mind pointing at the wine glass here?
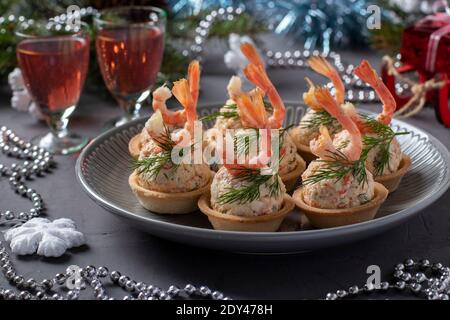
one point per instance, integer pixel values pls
(54, 61)
(130, 45)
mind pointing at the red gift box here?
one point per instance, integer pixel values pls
(426, 45)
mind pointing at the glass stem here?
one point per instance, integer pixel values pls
(58, 121)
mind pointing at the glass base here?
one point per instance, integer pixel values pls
(67, 144)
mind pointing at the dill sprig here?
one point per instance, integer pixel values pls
(382, 139)
(319, 118)
(231, 112)
(250, 192)
(337, 167)
(155, 162)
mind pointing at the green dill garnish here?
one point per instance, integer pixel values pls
(231, 112)
(319, 118)
(155, 162)
(250, 192)
(383, 138)
(337, 167)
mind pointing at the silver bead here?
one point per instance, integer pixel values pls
(164, 296)
(190, 289)
(115, 275)
(406, 276)
(102, 272)
(173, 291)
(123, 280)
(204, 291)
(40, 295)
(31, 284)
(409, 263)
(9, 215)
(18, 280)
(142, 296)
(420, 277)
(415, 287)
(23, 216)
(400, 267)
(341, 293)
(129, 285)
(400, 285)
(72, 295)
(437, 266)
(384, 286)
(47, 284)
(424, 263)
(60, 278)
(331, 296)
(141, 286)
(57, 296)
(23, 295)
(216, 295)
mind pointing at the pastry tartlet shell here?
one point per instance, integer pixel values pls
(167, 203)
(391, 181)
(135, 145)
(329, 218)
(303, 150)
(290, 179)
(228, 222)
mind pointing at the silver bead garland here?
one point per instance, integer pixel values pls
(420, 278)
(37, 162)
(357, 91)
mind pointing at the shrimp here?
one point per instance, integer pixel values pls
(256, 73)
(366, 73)
(253, 114)
(309, 98)
(322, 66)
(162, 94)
(323, 145)
(354, 148)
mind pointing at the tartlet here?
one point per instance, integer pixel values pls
(228, 222)
(329, 218)
(392, 181)
(303, 150)
(290, 179)
(135, 146)
(167, 202)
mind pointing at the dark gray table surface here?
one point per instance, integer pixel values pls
(112, 242)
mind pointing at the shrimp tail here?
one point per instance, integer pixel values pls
(354, 148)
(323, 67)
(194, 80)
(309, 98)
(258, 76)
(366, 73)
(322, 146)
(251, 54)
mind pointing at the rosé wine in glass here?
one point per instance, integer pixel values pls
(54, 60)
(130, 46)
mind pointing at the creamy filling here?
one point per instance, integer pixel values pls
(266, 203)
(336, 194)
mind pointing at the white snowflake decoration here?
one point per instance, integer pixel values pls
(47, 238)
(234, 58)
(21, 99)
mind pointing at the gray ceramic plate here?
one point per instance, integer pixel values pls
(104, 166)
